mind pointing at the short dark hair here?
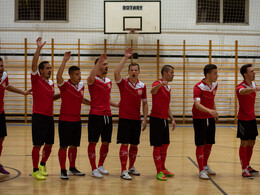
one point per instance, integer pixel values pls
(166, 68)
(41, 65)
(133, 64)
(208, 68)
(96, 61)
(1, 59)
(72, 69)
(243, 69)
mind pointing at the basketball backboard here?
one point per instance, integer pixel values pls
(122, 16)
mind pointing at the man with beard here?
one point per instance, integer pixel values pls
(100, 118)
(159, 128)
(246, 127)
(4, 85)
(132, 92)
(42, 117)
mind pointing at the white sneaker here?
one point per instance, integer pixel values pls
(125, 175)
(133, 171)
(102, 170)
(203, 175)
(209, 171)
(96, 174)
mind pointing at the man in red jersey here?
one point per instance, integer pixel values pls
(204, 117)
(247, 128)
(159, 128)
(72, 92)
(132, 92)
(42, 118)
(100, 118)
(4, 85)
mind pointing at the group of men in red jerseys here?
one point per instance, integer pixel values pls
(132, 93)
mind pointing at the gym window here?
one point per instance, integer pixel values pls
(223, 11)
(41, 10)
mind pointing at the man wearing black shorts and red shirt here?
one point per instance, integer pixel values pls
(4, 85)
(42, 118)
(159, 128)
(100, 118)
(71, 92)
(247, 128)
(204, 117)
(132, 92)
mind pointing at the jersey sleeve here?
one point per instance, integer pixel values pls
(6, 82)
(121, 83)
(34, 77)
(62, 86)
(196, 93)
(238, 89)
(144, 96)
(155, 83)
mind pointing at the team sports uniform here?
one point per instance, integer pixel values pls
(70, 125)
(70, 119)
(246, 127)
(129, 125)
(100, 120)
(42, 121)
(159, 128)
(204, 125)
(3, 84)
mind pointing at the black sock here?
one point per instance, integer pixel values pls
(42, 163)
(35, 169)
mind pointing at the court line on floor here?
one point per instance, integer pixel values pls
(236, 130)
(18, 174)
(212, 181)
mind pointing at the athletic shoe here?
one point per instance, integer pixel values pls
(96, 174)
(102, 170)
(161, 176)
(43, 170)
(209, 171)
(167, 173)
(3, 171)
(125, 175)
(133, 171)
(63, 174)
(74, 171)
(252, 171)
(245, 173)
(203, 175)
(38, 175)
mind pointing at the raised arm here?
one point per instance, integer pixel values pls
(37, 54)
(93, 73)
(246, 91)
(128, 53)
(66, 58)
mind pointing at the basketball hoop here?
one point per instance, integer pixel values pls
(132, 30)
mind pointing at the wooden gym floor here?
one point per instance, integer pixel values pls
(181, 160)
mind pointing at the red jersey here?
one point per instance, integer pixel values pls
(131, 96)
(205, 94)
(161, 101)
(246, 102)
(71, 99)
(43, 92)
(100, 96)
(3, 84)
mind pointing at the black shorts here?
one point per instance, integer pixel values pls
(128, 131)
(69, 133)
(159, 131)
(99, 125)
(3, 132)
(42, 129)
(204, 130)
(247, 130)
